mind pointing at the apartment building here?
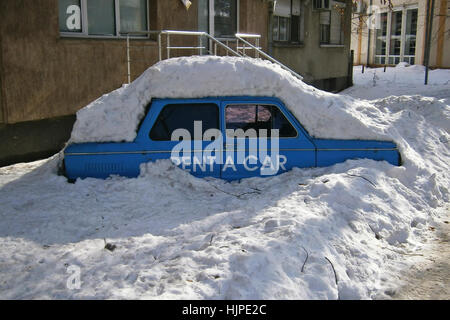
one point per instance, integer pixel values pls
(58, 55)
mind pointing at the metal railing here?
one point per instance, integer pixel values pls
(241, 45)
(265, 55)
(256, 47)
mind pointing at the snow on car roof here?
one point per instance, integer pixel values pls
(115, 116)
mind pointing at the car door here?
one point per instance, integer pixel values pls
(182, 130)
(262, 138)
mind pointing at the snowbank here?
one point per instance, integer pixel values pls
(324, 115)
(401, 80)
(179, 237)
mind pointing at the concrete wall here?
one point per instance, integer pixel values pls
(45, 77)
(313, 61)
(254, 18)
(440, 45)
(31, 140)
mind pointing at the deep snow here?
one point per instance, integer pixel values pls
(324, 115)
(181, 237)
(376, 83)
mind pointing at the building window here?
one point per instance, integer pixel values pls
(331, 23)
(287, 21)
(225, 18)
(381, 36)
(103, 18)
(321, 4)
(325, 22)
(280, 28)
(133, 15)
(395, 39)
(219, 18)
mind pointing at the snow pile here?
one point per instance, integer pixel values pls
(280, 237)
(324, 115)
(401, 80)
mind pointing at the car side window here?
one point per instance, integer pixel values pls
(182, 116)
(254, 116)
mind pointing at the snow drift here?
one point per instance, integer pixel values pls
(402, 80)
(324, 115)
(280, 237)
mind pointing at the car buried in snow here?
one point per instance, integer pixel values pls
(227, 137)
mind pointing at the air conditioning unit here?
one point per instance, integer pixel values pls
(321, 4)
(359, 7)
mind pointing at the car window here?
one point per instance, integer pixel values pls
(254, 116)
(182, 116)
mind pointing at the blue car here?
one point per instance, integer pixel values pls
(223, 137)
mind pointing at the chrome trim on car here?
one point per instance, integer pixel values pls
(193, 151)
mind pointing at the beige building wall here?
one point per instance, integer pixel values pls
(440, 40)
(44, 74)
(316, 62)
(440, 45)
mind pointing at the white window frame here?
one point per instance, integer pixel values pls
(402, 55)
(84, 24)
(386, 38)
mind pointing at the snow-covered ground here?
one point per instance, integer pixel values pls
(376, 83)
(346, 231)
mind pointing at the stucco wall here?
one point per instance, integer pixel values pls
(45, 75)
(311, 60)
(254, 18)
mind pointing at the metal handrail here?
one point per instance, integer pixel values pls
(214, 43)
(257, 37)
(168, 33)
(198, 34)
(265, 55)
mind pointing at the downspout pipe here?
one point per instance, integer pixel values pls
(429, 29)
(368, 35)
(269, 32)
